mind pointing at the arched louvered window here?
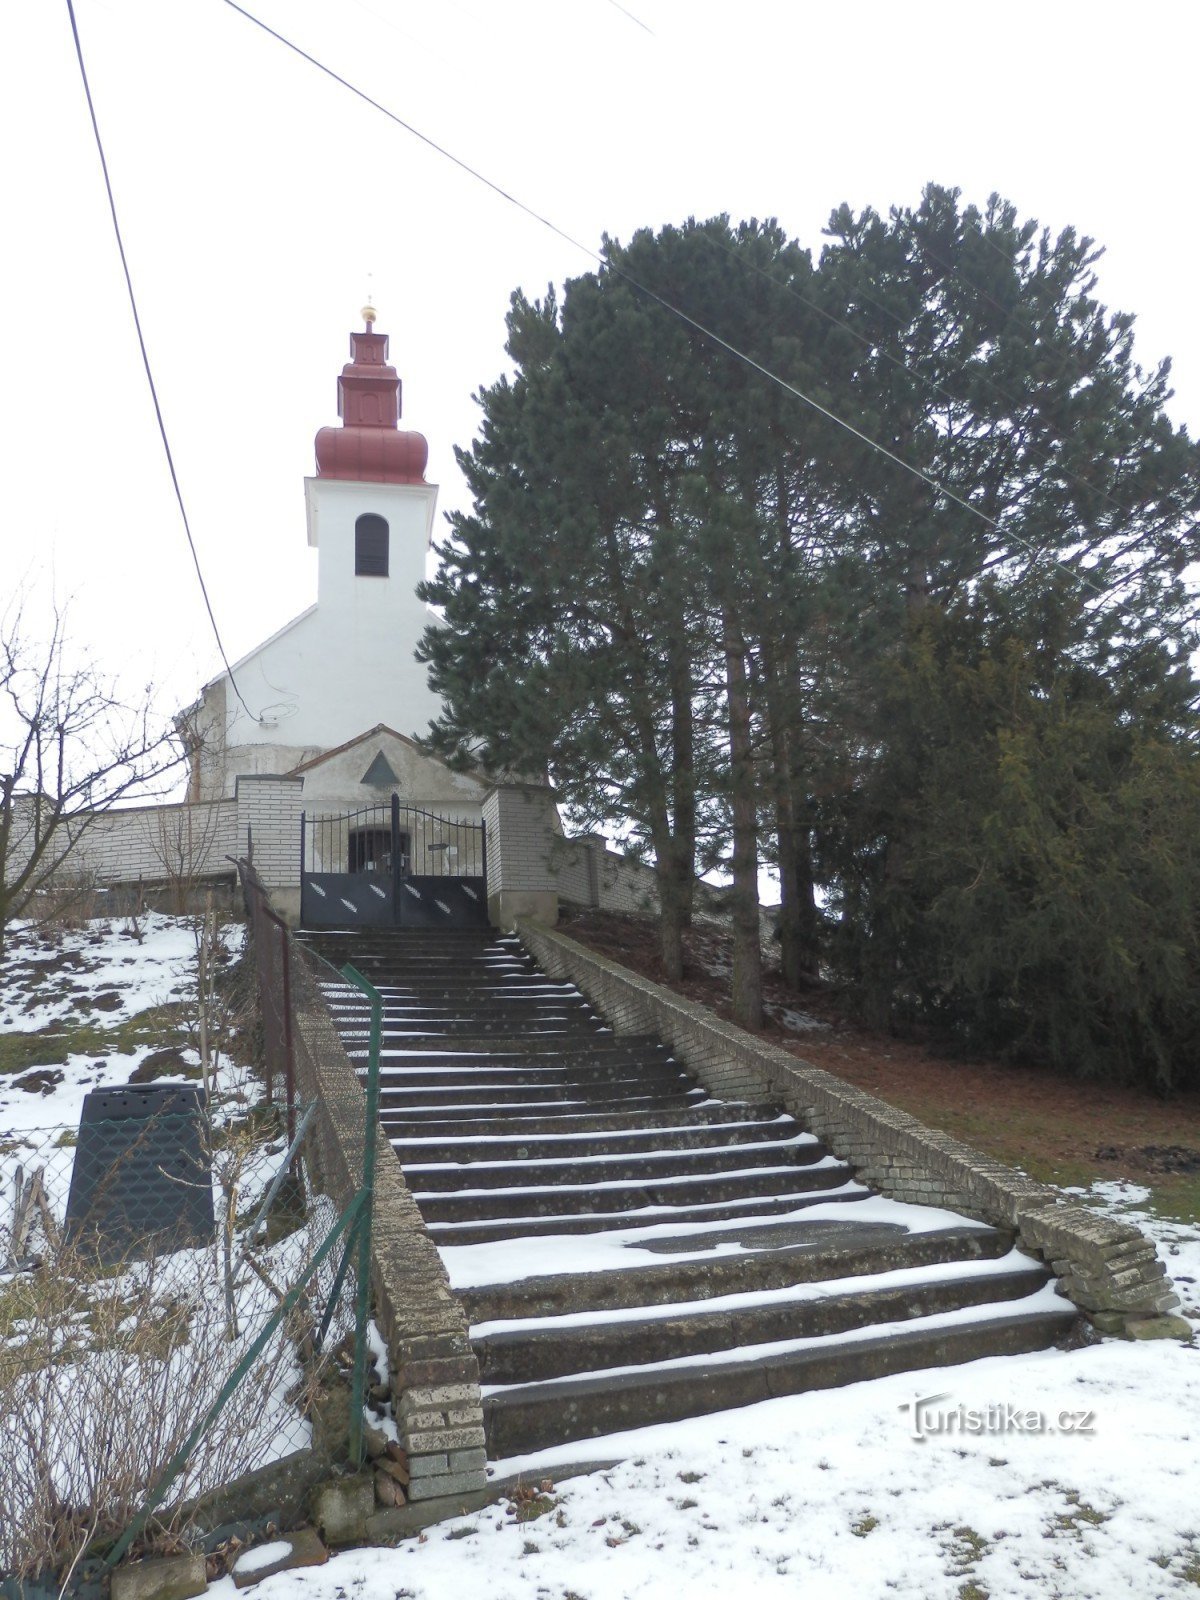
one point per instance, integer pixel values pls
(370, 546)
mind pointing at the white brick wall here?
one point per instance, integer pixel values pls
(526, 851)
(155, 843)
(268, 812)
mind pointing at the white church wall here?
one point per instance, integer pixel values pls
(348, 663)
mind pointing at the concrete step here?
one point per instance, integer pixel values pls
(534, 1416)
(448, 1070)
(451, 1176)
(525, 1046)
(776, 1255)
(472, 1027)
(513, 1002)
(562, 1146)
(534, 1354)
(395, 1095)
(752, 1208)
(482, 1121)
(555, 1200)
(402, 1116)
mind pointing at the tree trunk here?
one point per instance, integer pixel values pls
(747, 949)
(675, 897)
(799, 925)
(683, 779)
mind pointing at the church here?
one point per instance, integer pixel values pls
(336, 694)
(305, 753)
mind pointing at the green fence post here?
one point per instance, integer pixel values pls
(348, 1219)
(362, 1301)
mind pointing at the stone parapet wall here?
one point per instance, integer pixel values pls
(435, 1375)
(1107, 1267)
(158, 844)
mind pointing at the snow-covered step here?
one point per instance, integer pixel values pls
(636, 1166)
(626, 1248)
(535, 1350)
(535, 1415)
(526, 1225)
(512, 1145)
(669, 1265)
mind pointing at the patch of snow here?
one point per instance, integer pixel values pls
(473, 1266)
(264, 1556)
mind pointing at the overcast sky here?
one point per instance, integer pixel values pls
(259, 198)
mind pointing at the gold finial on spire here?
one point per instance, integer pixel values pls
(368, 316)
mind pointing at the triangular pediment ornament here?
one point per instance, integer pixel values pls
(379, 774)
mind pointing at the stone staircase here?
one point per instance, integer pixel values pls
(629, 1250)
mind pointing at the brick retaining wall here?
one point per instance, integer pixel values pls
(435, 1376)
(1107, 1267)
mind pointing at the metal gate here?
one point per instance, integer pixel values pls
(392, 866)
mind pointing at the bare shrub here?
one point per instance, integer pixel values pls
(106, 1373)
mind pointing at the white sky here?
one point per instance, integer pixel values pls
(256, 197)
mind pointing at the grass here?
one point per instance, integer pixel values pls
(157, 1025)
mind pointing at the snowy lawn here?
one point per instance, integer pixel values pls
(130, 1361)
(1060, 1474)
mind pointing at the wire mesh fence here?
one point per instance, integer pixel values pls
(183, 1294)
(160, 1335)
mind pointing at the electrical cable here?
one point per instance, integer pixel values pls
(608, 265)
(137, 322)
(932, 384)
(617, 6)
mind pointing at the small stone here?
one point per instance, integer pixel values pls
(1112, 1322)
(341, 1507)
(388, 1492)
(376, 1443)
(166, 1578)
(396, 1470)
(303, 1548)
(1158, 1328)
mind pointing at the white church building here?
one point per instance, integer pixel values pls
(338, 686)
(311, 762)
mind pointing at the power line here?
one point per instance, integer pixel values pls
(137, 323)
(609, 265)
(1047, 458)
(617, 6)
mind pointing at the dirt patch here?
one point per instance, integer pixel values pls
(168, 1063)
(1060, 1130)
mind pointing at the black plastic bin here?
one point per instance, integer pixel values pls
(142, 1180)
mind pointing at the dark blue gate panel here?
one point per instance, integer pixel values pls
(392, 866)
(346, 900)
(433, 902)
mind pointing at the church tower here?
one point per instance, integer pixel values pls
(345, 665)
(370, 516)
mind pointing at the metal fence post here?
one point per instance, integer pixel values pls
(289, 1070)
(362, 1300)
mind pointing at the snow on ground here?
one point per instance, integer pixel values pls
(829, 1494)
(58, 984)
(1068, 1474)
(55, 977)
(51, 983)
